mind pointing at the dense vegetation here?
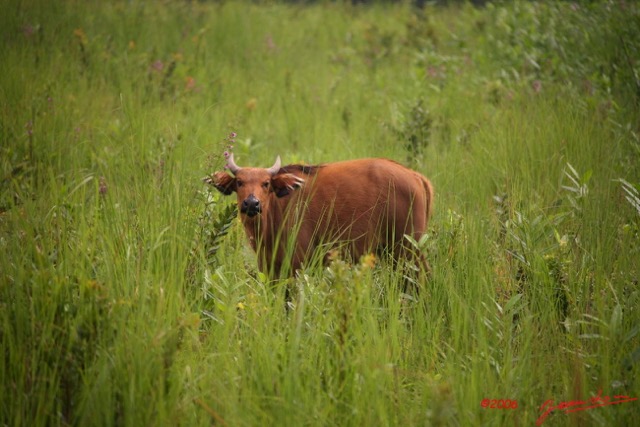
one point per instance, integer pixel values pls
(128, 293)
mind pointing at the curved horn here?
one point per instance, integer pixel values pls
(231, 165)
(275, 168)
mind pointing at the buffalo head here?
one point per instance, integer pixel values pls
(254, 186)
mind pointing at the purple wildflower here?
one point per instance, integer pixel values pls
(537, 86)
(28, 30)
(157, 66)
(102, 182)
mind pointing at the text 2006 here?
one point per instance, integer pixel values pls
(499, 403)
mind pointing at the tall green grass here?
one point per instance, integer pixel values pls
(129, 295)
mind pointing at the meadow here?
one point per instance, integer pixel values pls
(129, 295)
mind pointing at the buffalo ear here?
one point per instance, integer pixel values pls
(224, 183)
(284, 183)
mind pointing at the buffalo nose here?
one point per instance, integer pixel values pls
(250, 206)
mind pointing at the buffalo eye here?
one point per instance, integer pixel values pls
(265, 185)
(239, 183)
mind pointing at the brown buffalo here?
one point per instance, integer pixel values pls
(361, 206)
